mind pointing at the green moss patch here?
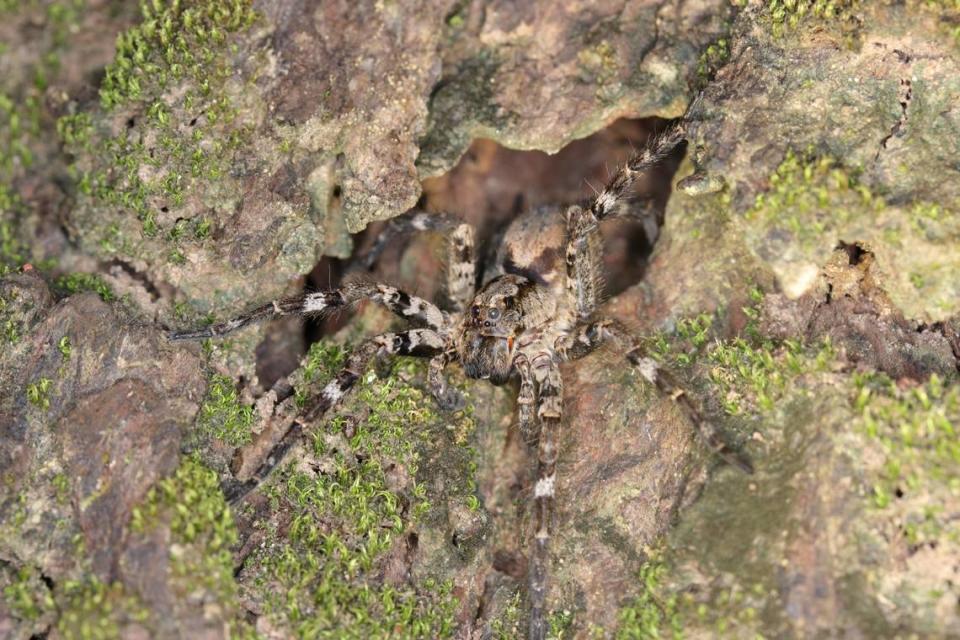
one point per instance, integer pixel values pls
(26, 596)
(854, 464)
(24, 143)
(814, 203)
(351, 505)
(788, 14)
(73, 283)
(202, 534)
(38, 393)
(93, 610)
(223, 416)
(175, 40)
(917, 430)
(652, 614)
(169, 79)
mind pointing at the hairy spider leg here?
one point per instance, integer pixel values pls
(588, 337)
(583, 255)
(448, 398)
(546, 372)
(423, 343)
(461, 267)
(461, 259)
(401, 303)
(525, 399)
(403, 224)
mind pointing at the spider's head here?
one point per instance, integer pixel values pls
(490, 329)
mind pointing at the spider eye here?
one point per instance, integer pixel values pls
(475, 310)
(493, 313)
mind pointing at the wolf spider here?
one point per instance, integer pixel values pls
(535, 310)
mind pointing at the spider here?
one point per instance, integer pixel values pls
(535, 310)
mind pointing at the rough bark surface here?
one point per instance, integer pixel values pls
(797, 270)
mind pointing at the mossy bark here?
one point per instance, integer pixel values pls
(802, 283)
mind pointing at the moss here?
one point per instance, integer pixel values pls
(714, 56)
(64, 347)
(75, 130)
(22, 112)
(38, 393)
(74, 283)
(507, 625)
(322, 361)
(61, 486)
(811, 424)
(815, 202)
(202, 532)
(321, 580)
(173, 139)
(92, 610)
(12, 251)
(26, 596)
(809, 193)
(788, 14)
(748, 373)
(223, 416)
(916, 430)
(653, 613)
(175, 39)
(560, 623)
(750, 377)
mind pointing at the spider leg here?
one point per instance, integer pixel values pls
(549, 415)
(406, 223)
(424, 343)
(447, 398)
(320, 302)
(461, 261)
(525, 398)
(590, 336)
(583, 237)
(461, 267)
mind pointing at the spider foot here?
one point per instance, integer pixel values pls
(450, 399)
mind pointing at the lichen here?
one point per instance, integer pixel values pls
(461, 109)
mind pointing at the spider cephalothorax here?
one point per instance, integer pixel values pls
(491, 328)
(535, 309)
